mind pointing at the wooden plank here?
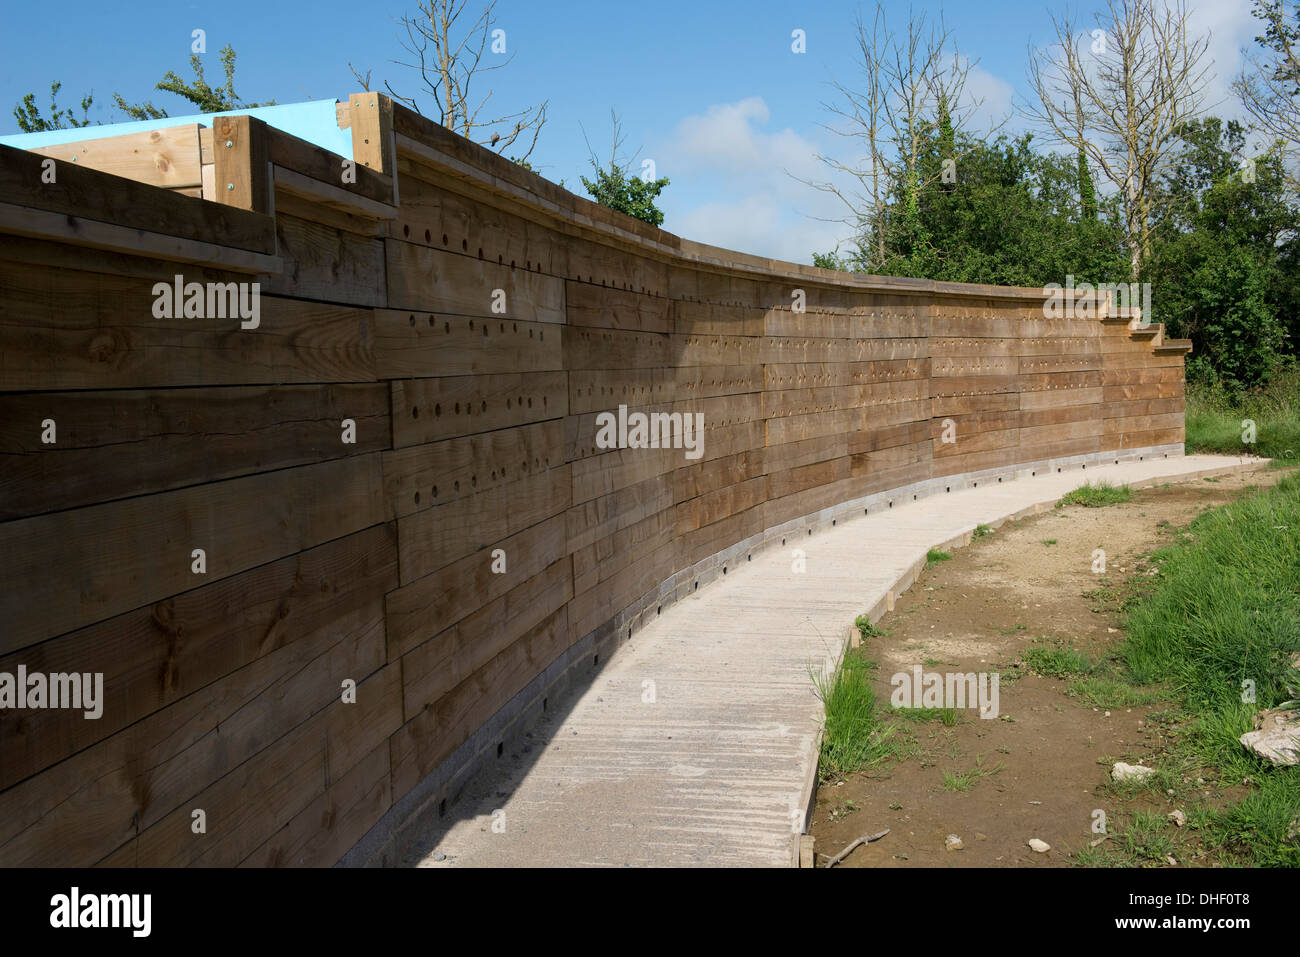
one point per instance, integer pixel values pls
(329, 264)
(419, 345)
(75, 231)
(327, 194)
(595, 306)
(154, 656)
(467, 465)
(428, 410)
(247, 806)
(168, 158)
(91, 195)
(603, 349)
(321, 833)
(425, 279)
(422, 743)
(117, 444)
(438, 536)
(121, 555)
(61, 329)
(372, 132)
(308, 159)
(158, 766)
(432, 669)
(417, 611)
(243, 163)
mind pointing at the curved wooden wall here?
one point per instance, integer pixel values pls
(330, 562)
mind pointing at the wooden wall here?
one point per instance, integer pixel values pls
(372, 561)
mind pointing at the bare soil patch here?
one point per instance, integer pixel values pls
(1046, 759)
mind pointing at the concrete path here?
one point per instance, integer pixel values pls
(697, 742)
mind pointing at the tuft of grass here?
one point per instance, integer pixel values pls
(1057, 662)
(965, 780)
(866, 629)
(946, 716)
(853, 739)
(981, 531)
(1096, 496)
(1049, 541)
(934, 556)
(1146, 838)
(1102, 691)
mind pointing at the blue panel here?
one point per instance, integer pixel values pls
(314, 121)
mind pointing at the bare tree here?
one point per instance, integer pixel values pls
(1269, 86)
(1122, 98)
(903, 85)
(449, 62)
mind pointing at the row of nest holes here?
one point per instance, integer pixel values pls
(473, 479)
(528, 264)
(446, 327)
(469, 406)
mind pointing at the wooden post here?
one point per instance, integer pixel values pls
(373, 143)
(243, 163)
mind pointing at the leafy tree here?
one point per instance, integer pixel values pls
(207, 98)
(1223, 265)
(618, 188)
(615, 188)
(29, 118)
(1005, 215)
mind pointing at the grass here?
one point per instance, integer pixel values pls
(1057, 662)
(1049, 541)
(981, 531)
(853, 738)
(866, 629)
(945, 716)
(934, 556)
(1226, 608)
(1102, 691)
(1214, 419)
(965, 780)
(1097, 496)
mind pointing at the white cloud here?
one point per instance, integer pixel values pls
(760, 225)
(1231, 27)
(736, 184)
(994, 96)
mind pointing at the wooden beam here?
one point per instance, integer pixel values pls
(169, 158)
(66, 228)
(242, 158)
(334, 197)
(28, 182)
(373, 143)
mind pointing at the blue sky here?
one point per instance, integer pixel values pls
(709, 90)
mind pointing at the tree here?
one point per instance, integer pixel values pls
(617, 187)
(1224, 255)
(448, 67)
(207, 98)
(1269, 86)
(29, 118)
(906, 85)
(1123, 106)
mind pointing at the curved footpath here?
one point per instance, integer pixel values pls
(696, 744)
